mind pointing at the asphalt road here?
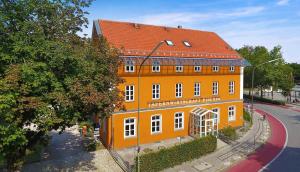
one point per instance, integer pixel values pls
(289, 159)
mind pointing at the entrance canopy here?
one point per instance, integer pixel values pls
(203, 122)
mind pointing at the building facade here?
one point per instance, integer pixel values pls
(191, 85)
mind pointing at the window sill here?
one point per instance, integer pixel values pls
(178, 129)
(129, 137)
(129, 101)
(156, 133)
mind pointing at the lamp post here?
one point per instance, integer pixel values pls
(138, 118)
(252, 84)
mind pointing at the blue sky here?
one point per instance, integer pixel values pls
(239, 22)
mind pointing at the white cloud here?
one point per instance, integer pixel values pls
(189, 17)
(282, 2)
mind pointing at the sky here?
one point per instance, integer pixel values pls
(239, 22)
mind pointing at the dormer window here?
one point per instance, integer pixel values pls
(129, 66)
(169, 42)
(156, 66)
(186, 43)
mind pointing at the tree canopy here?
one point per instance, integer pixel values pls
(49, 76)
(277, 74)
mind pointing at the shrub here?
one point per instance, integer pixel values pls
(169, 157)
(90, 144)
(229, 132)
(276, 102)
(247, 116)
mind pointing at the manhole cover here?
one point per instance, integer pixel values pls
(202, 166)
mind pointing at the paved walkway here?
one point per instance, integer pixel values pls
(65, 153)
(268, 151)
(228, 155)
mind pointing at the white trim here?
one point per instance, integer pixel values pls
(177, 107)
(197, 66)
(231, 91)
(179, 66)
(129, 94)
(285, 144)
(182, 128)
(219, 113)
(234, 111)
(199, 86)
(153, 66)
(231, 68)
(181, 90)
(217, 93)
(215, 68)
(155, 92)
(124, 126)
(160, 124)
(241, 82)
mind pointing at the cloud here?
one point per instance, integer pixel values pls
(282, 2)
(190, 17)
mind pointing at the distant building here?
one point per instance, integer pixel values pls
(192, 85)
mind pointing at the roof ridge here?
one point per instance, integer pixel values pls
(152, 25)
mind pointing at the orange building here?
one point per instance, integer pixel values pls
(191, 85)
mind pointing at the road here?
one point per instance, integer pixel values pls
(289, 159)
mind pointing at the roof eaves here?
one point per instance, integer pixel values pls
(97, 26)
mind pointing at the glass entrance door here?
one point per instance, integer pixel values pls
(209, 127)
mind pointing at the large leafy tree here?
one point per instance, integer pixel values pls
(49, 76)
(276, 74)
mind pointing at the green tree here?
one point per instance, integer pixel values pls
(296, 71)
(49, 76)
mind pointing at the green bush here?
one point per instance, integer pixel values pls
(276, 102)
(90, 144)
(169, 157)
(229, 132)
(246, 116)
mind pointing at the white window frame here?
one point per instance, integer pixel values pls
(177, 121)
(130, 124)
(231, 68)
(215, 88)
(179, 68)
(169, 43)
(156, 66)
(129, 66)
(215, 68)
(178, 90)
(231, 87)
(231, 113)
(155, 121)
(155, 91)
(129, 96)
(197, 88)
(218, 112)
(197, 68)
(187, 44)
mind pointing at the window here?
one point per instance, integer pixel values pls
(231, 113)
(231, 68)
(155, 124)
(196, 89)
(197, 68)
(179, 68)
(129, 93)
(215, 89)
(178, 90)
(215, 68)
(216, 117)
(186, 43)
(129, 66)
(155, 91)
(170, 43)
(129, 127)
(156, 66)
(231, 87)
(179, 120)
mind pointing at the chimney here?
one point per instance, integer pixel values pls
(135, 25)
(179, 27)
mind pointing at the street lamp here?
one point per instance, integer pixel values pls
(252, 84)
(138, 119)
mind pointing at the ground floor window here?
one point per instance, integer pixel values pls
(179, 120)
(155, 124)
(231, 113)
(216, 116)
(129, 127)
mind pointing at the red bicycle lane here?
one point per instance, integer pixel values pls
(267, 152)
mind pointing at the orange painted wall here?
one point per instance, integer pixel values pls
(167, 79)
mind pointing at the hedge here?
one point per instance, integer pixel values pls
(246, 116)
(229, 132)
(169, 157)
(276, 102)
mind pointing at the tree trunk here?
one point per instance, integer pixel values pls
(261, 92)
(249, 91)
(272, 93)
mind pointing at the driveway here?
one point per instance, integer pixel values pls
(65, 153)
(288, 160)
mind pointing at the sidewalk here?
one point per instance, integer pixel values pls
(227, 155)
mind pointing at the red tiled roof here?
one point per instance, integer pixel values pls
(140, 39)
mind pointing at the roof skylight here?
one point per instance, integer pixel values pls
(169, 42)
(186, 43)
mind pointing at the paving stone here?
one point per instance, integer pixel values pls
(203, 166)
